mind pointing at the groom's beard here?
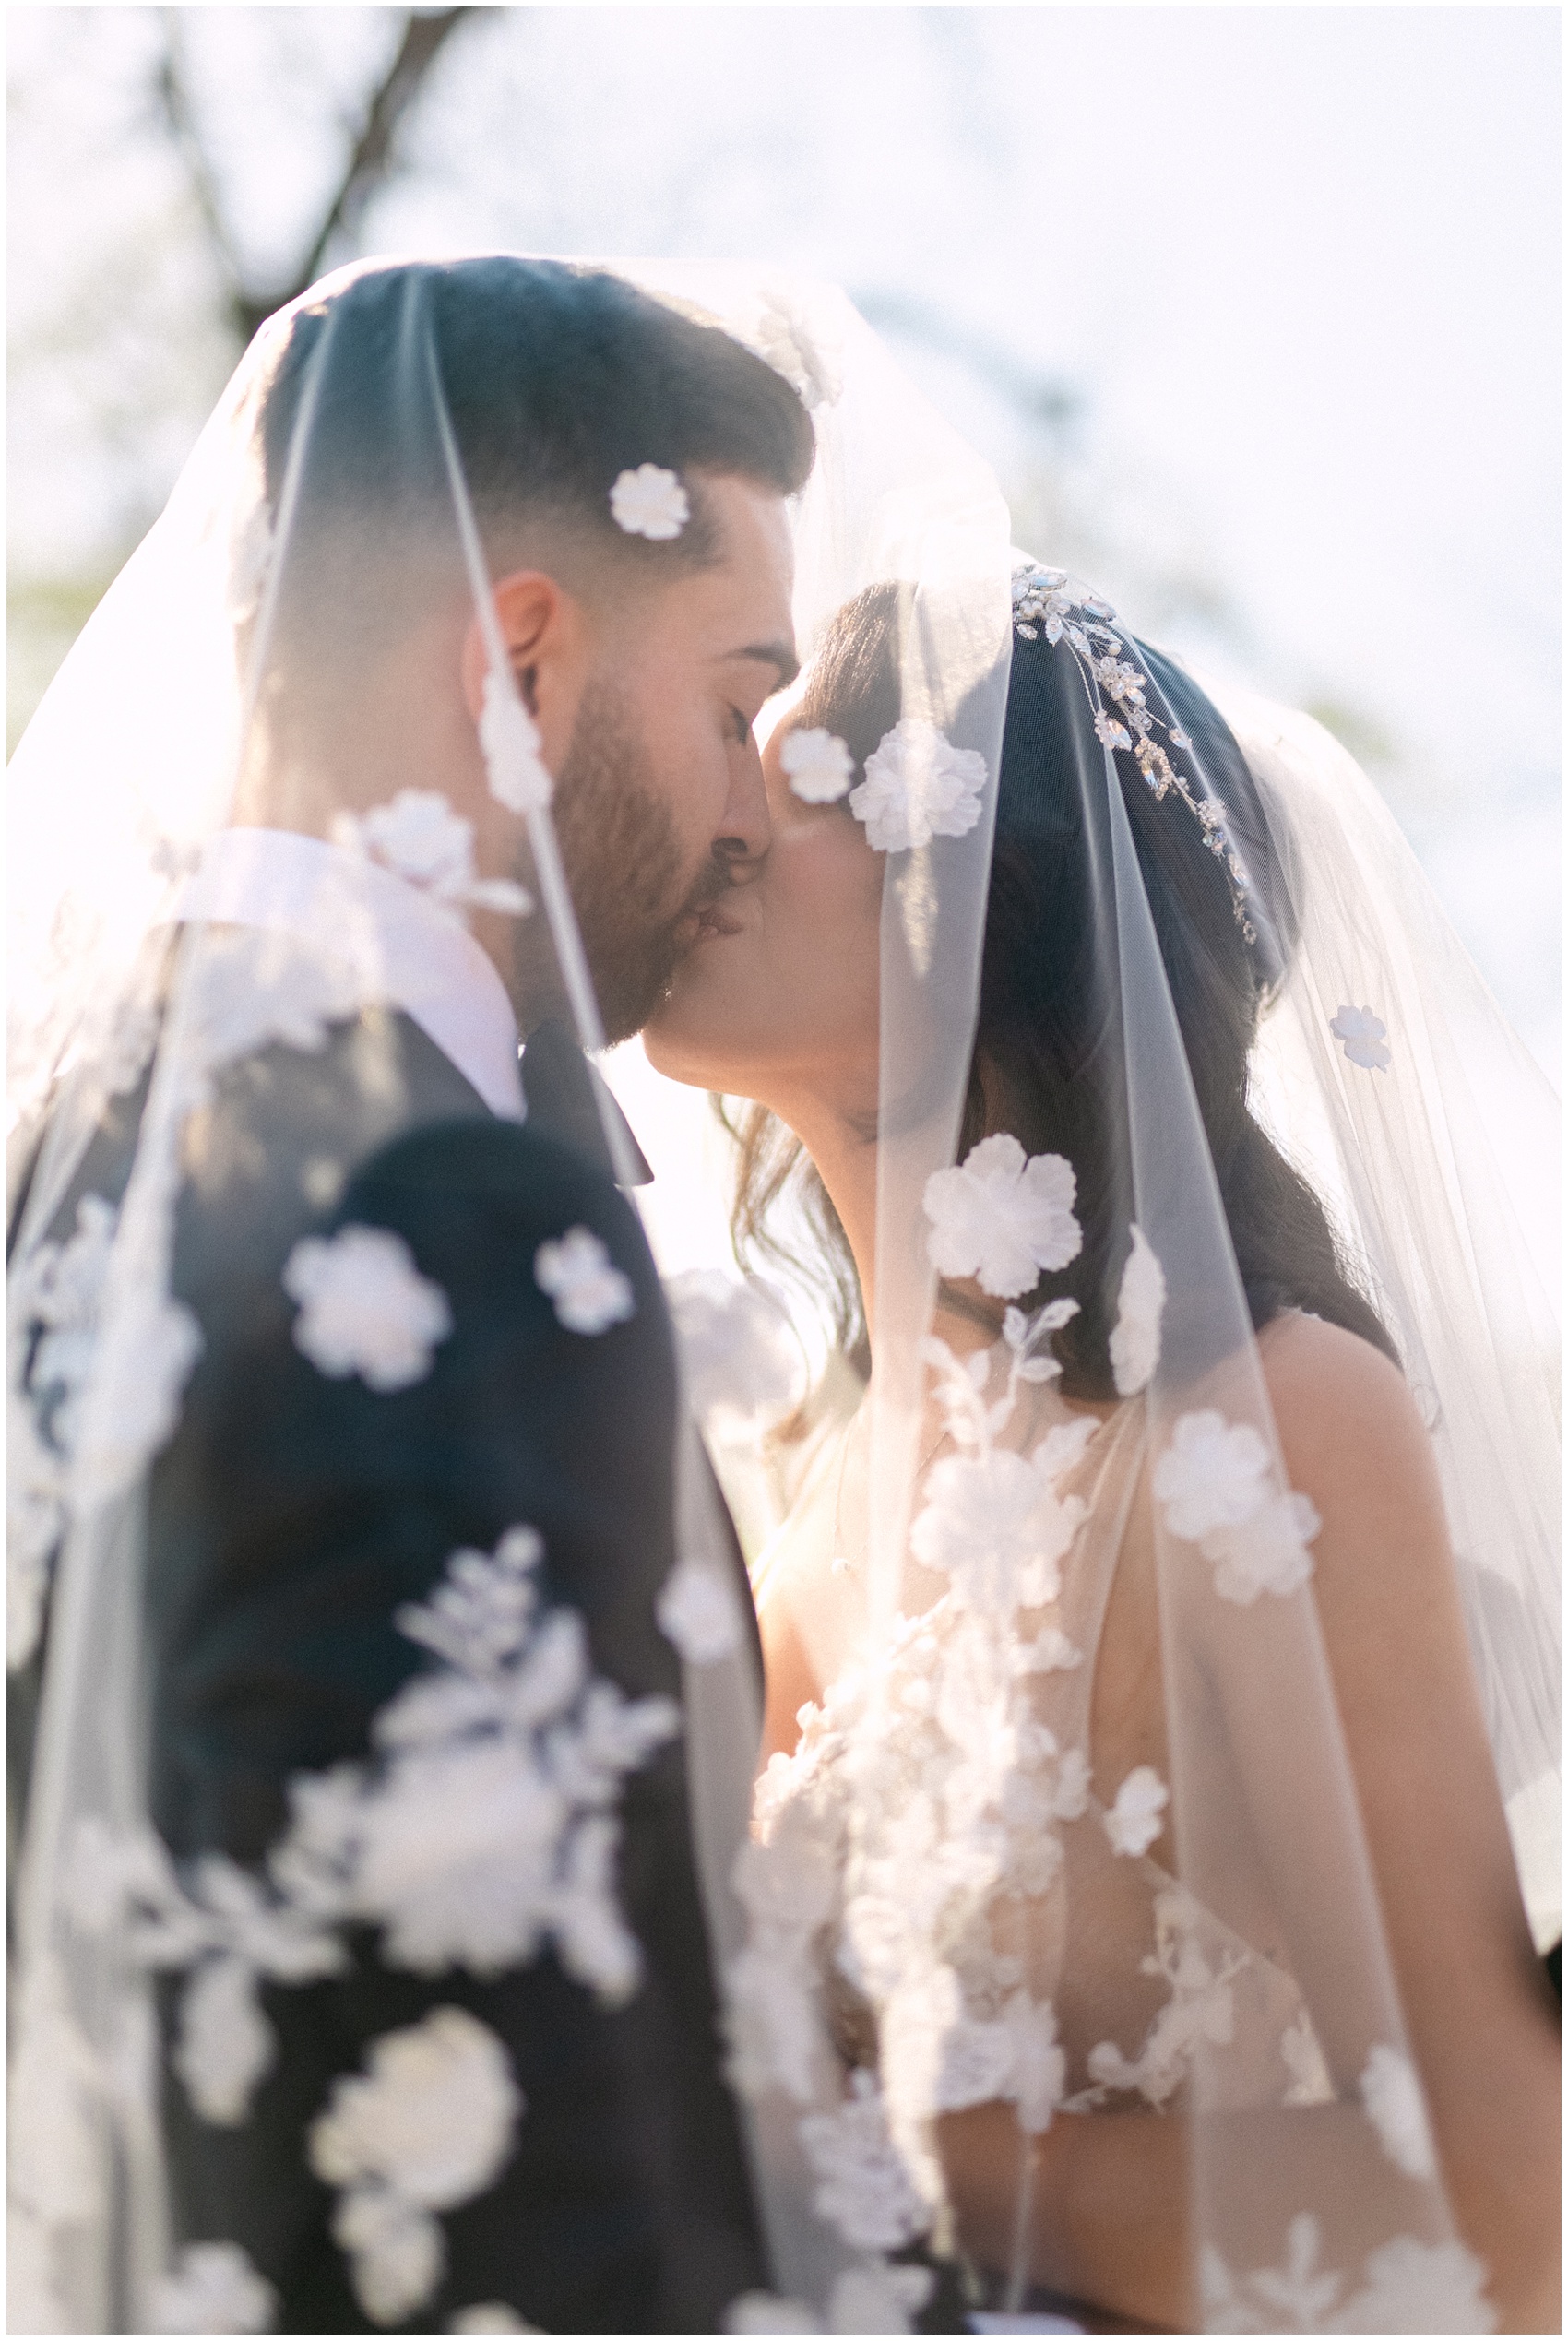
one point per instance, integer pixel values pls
(622, 863)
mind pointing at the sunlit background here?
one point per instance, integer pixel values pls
(1254, 311)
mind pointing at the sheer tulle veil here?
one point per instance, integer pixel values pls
(937, 1869)
(923, 1909)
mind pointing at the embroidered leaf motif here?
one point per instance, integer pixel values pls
(1200, 2012)
(225, 1929)
(1411, 2288)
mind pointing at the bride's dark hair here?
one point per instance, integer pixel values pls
(1047, 1062)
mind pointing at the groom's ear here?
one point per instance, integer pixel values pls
(545, 630)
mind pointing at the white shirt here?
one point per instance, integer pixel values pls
(425, 960)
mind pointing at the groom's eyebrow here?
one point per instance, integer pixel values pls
(772, 654)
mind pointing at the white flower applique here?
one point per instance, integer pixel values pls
(53, 1309)
(698, 1612)
(55, 2125)
(365, 1308)
(1301, 2055)
(516, 772)
(739, 1356)
(250, 989)
(1134, 1822)
(1396, 2110)
(943, 2059)
(1365, 1036)
(589, 1292)
(1200, 2013)
(1410, 2287)
(213, 2289)
(817, 766)
(1002, 1217)
(807, 356)
(420, 839)
(650, 502)
(995, 1524)
(862, 2187)
(429, 2126)
(994, 1519)
(487, 2316)
(786, 1878)
(1215, 1482)
(484, 1830)
(240, 990)
(871, 2299)
(490, 1831)
(1140, 1307)
(917, 787)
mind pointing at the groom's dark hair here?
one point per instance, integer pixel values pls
(556, 378)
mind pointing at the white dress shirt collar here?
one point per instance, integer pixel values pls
(425, 960)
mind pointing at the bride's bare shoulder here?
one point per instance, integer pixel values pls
(1353, 1439)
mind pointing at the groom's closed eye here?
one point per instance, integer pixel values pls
(777, 654)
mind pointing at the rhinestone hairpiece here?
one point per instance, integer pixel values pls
(1046, 601)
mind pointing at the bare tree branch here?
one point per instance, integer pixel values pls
(174, 100)
(370, 163)
(425, 33)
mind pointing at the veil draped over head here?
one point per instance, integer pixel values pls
(944, 1907)
(1232, 1064)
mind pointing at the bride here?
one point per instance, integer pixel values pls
(1131, 1811)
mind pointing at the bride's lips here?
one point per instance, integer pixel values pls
(706, 926)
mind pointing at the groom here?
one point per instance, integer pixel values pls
(450, 1341)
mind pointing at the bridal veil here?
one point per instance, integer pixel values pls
(936, 1876)
(938, 1881)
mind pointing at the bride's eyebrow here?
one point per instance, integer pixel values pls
(772, 654)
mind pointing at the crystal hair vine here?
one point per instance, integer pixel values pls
(1047, 601)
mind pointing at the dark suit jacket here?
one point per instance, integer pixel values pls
(290, 1517)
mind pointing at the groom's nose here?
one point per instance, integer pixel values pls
(746, 828)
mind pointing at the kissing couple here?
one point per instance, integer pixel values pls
(1091, 1871)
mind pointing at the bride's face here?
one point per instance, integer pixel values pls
(777, 999)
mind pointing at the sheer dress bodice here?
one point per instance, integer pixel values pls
(981, 1837)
